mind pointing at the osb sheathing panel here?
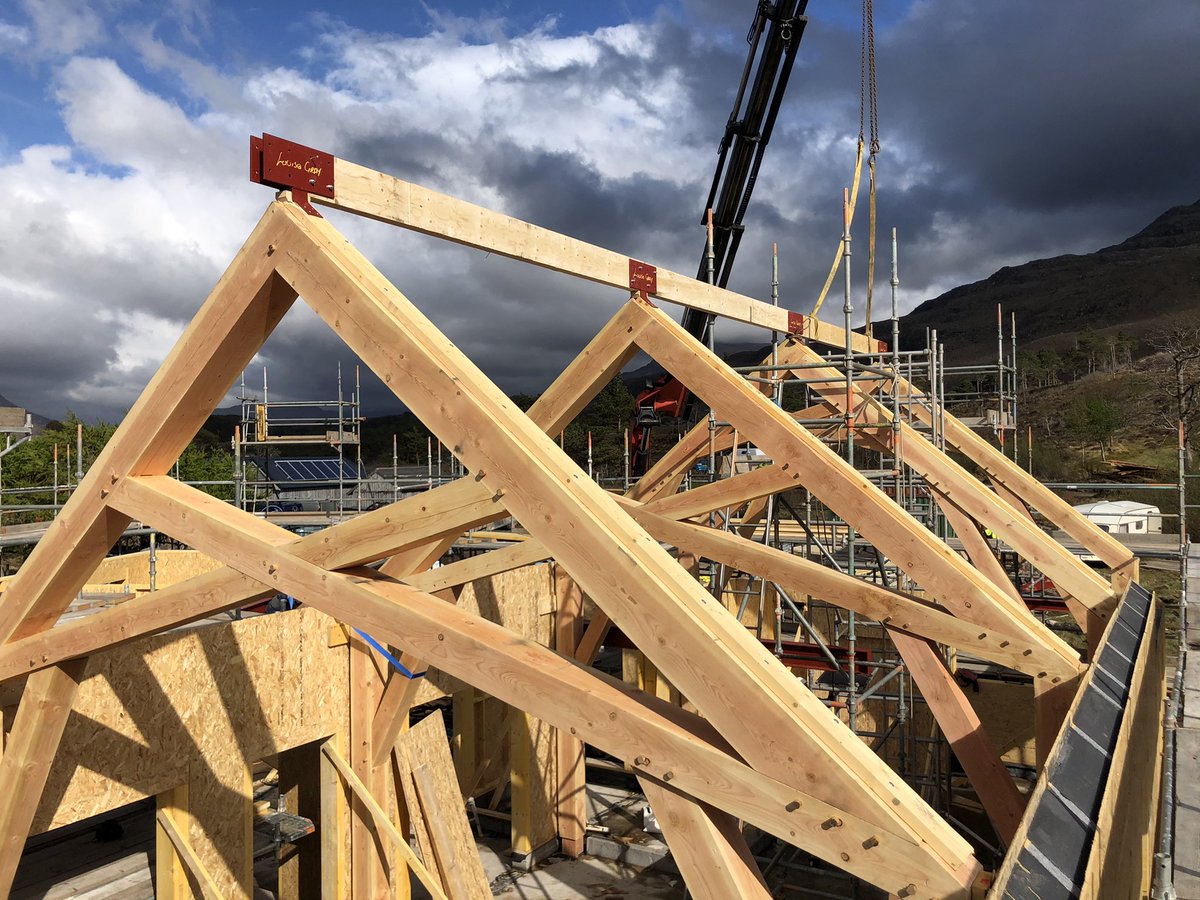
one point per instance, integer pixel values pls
(535, 778)
(1006, 710)
(507, 599)
(195, 705)
(170, 567)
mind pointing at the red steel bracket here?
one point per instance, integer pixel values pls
(643, 277)
(293, 167)
(796, 323)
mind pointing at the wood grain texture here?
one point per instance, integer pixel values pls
(571, 781)
(1003, 470)
(600, 547)
(194, 870)
(211, 699)
(229, 329)
(28, 754)
(424, 757)
(388, 199)
(960, 724)
(170, 872)
(803, 577)
(525, 674)
(383, 821)
(707, 845)
(952, 482)
(929, 562)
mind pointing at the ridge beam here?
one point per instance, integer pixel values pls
(385, 198)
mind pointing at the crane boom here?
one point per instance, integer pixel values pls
(774, 37)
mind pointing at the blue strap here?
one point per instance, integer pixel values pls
(396, 664)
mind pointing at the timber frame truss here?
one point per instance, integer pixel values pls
(763, 749)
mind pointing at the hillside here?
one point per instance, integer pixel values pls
(1131, 286)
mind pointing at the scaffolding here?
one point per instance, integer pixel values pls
(269, 426)
(848, 660)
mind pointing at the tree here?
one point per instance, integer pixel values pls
(1178, 342)
(1051, 365)
(1094, 419)
(607, 417)
(1088, 349)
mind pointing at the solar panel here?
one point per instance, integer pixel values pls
(313, 470)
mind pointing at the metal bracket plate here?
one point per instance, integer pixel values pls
(796, 323)
(643, 277)
(289, 166)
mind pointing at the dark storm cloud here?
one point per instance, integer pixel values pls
(1044, 106)
(1009, 132)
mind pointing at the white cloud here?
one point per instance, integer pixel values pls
(119, 236)
(62, 27)
(13, 36)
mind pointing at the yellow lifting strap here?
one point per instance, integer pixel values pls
(870, 247)
(837, 256)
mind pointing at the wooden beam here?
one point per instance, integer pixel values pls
(730, 492)
(600, 546)
(946, 576)
(370, 859)
(571, 792)
(197, 874)
(959, 722)
(452, 857)
(145, 614)
(28, 754)
(334, 825)
(567, 696)
(170, 872)
(595, 366)
(663, 477)
(392, 712)
(388, 199)
(483, 565)
(383, 821)
(707, 845)
(897, 610)
(979, 551)
(424, 760)
(1003, 470)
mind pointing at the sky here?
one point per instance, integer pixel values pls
(1009, 131)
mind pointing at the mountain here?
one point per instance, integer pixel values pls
(1132, 286)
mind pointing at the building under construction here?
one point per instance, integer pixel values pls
(850, 656)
